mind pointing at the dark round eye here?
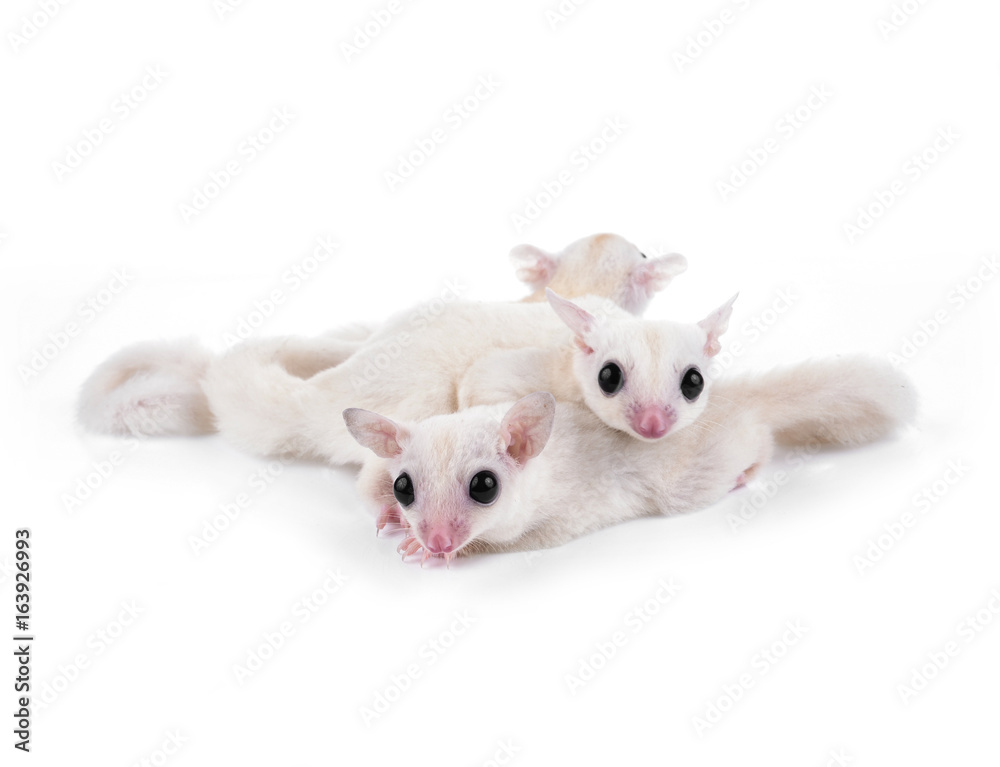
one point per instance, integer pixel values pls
(484, 488)
(402, 488)
(611, 379)
(691, 384)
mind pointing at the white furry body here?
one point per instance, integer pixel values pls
(590, 476)
(410, 368)
(258, 396)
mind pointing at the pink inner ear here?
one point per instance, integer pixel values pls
(712, 346)
(383, 440)
(520, 445)
(582, 345)
(646, 277)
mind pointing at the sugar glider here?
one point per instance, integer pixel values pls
(268, 397)
(538, 473)
(646, 378)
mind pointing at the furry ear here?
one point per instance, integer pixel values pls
(534, 266)
(580, 321)
(654, 274)
(527, 426)
(715, 325)
(376, 432)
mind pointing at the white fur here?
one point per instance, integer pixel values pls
(600, 265)
(257, 392)
(148, 388)
(417, 365)
(589, 476)
(653, 355)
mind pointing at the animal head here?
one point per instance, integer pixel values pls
(604, 265)
(645, 378)
(453, 475)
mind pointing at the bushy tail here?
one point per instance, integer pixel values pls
(846, 400)
(148, 388)
(253, 393)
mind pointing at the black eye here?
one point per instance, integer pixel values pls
(402, 488)
(611, 379)
(484, 488)
(691, 384)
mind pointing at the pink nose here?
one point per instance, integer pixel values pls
(439, 542)
(653, 422)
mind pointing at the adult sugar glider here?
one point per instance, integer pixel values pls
(538, 473)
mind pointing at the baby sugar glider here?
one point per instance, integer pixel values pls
(605, 265)
(538, 473)
(646, 378)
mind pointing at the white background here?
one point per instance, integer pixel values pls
(835, 693)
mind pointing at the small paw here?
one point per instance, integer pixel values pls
(391, 515)
(410, 547)
(745, 477)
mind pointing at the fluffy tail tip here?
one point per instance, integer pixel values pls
(148, 388)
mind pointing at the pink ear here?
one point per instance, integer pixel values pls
(654, 274)
(715, 325)
(527, 426)
(380, 435)
(650, 277)
(580, 321)
(534, 266)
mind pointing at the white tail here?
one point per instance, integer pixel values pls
(157, 387)
(148, 388)
(846, 400)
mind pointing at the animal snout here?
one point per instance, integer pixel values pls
(653, 422)
(439, 543)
